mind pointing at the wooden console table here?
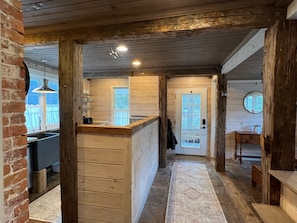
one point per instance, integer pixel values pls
(245, 137)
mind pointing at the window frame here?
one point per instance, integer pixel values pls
(43, 126)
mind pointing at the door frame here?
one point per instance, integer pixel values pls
(204, 115)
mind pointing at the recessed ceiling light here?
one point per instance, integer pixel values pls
(136, 63)
(122, 48)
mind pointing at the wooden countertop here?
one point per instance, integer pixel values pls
(116, 130)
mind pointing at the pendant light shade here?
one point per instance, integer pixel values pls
(44, 89)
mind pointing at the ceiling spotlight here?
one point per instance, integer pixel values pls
(136, 63)
(114, 53)
(122, 48)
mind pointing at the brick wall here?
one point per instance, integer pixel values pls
(13, 106)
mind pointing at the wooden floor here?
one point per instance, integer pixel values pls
(233, 189)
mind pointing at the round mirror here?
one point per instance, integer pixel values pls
(253, 102)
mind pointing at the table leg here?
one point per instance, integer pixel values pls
(240, 148)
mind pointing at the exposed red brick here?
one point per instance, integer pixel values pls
(16, 25)
(12, 155)
(12, 107)
(15, 178)
(5, 120)
(6, 95)
(19, 198)
(23, 218)
(6, 195)
(12, 131)
(12, 83)
(4, 44)
(17, 4)
(12, 11)
(19, 95)
(6, 169)
(17, 119)
(12, 59)
(19, 164)
(19, 188)
(7, 144)
(13, 35)
(20, 141)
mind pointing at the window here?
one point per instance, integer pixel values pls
(121, 106)
(42, 110)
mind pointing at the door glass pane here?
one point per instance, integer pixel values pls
(121, 106)
(190, 116)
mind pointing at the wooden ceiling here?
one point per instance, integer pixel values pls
(173, 36)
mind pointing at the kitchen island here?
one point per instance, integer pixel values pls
(115, 170)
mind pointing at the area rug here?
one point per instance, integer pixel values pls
(191, 196)
(47, 208)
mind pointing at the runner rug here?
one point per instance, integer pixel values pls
(191, 196)
(47, 208)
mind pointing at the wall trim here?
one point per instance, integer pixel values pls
(244, 81)
(1, 140)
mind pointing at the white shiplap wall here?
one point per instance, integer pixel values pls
(174, 84)
(144, 95)
(238, 119)
(101, 94)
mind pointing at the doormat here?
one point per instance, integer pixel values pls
(192, 198)
(47, 207)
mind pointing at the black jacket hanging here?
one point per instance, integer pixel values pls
(171, 140)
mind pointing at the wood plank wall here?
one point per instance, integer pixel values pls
(174, 84)
(145, 161)
(101, 166)
(115, 173)
(101, 94)
(144, 95)
(237, 117)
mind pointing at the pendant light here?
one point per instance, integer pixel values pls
(44, 89)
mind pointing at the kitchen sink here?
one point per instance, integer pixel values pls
(45, 150)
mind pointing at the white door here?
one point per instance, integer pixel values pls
(191, 122)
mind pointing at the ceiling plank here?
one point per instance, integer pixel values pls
(198, 71)
(254, 17)
(292, 10)
(248, 47)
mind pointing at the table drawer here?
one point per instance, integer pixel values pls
(250, 139)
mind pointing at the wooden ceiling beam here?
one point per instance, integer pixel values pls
(253, 42)
(197, 71)
(292, 10)
(254, 17)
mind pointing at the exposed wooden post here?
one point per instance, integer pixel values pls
(280, 90)
(70, 89)
(221, 123)
(163, 121)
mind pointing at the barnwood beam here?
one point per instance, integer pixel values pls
(253, 42)
(99, 20)
(197, 71)
(163, 121)
(253, 17)
(70, 91)
(280, 90)
(221, 123)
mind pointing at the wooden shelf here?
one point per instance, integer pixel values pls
(288, 178)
